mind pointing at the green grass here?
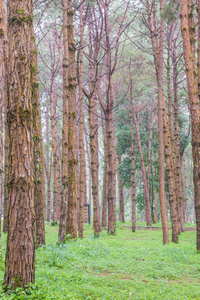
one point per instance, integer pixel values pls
(113, 267)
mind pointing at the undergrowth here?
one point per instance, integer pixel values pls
(112, 267)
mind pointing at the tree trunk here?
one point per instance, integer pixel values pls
(83, 184)
(133, 198)
(179, 197)
(2, 84)
(72, 151)
(158, 51)
(39, 196)
(146, 191)
(20, 254)
(94, 167)
(48, 169)
(110, 159)
(194, 110)
(56, 167)
(121, 193)
(105, 182)
(63, 206)
(4, 60)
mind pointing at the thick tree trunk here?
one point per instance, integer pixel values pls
(2, 84)
(63, 206)
(20, 254)
(72, 151)
(121, 192)
(39, 196)
(194, 109)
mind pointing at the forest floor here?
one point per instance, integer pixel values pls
(114, 267)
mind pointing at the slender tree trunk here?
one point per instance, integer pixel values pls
(72, 151)
(63, 207)
(83, 184)
(20, 254)
(39, 197)
(186, 189)
(56, 169)
(170, 177)
(158, 51)
(194, 109)
(94, 167)
(146, 192)
(105, 182)
(4, 63)
(115, 167)
(133, 196)
(177, 148)
(48, 169)
(110, 159)
(121, 193)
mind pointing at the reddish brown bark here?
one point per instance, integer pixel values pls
(63, 207)
(20, 254)
(72, 151)
(39, 196)
(194, 107)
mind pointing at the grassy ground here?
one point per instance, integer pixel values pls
(113, 267)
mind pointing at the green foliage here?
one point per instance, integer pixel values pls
(111, 267)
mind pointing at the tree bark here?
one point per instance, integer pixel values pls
(39, 197)
(72, 151)
(121, 192)
(20, 254)
(194, 109)
(64, 194)
(133, 196)
(105, 182)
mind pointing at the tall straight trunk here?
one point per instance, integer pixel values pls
(2, 84)
(111, 173)
(56, 168)
(170, 176)
(94, 167)
(146, 192)
(63, 206)
(105, 186)
(133, 196)
(114, 166)
(72, 153)
(158, 51)
(4, 64)
(177, 168)
(48, 169)
(121, 192)
(186, 189)
(20, 253)
(39, 196)
(89, 166)
(194, 108)
(83, 184)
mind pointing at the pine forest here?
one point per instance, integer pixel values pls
(100, 149)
